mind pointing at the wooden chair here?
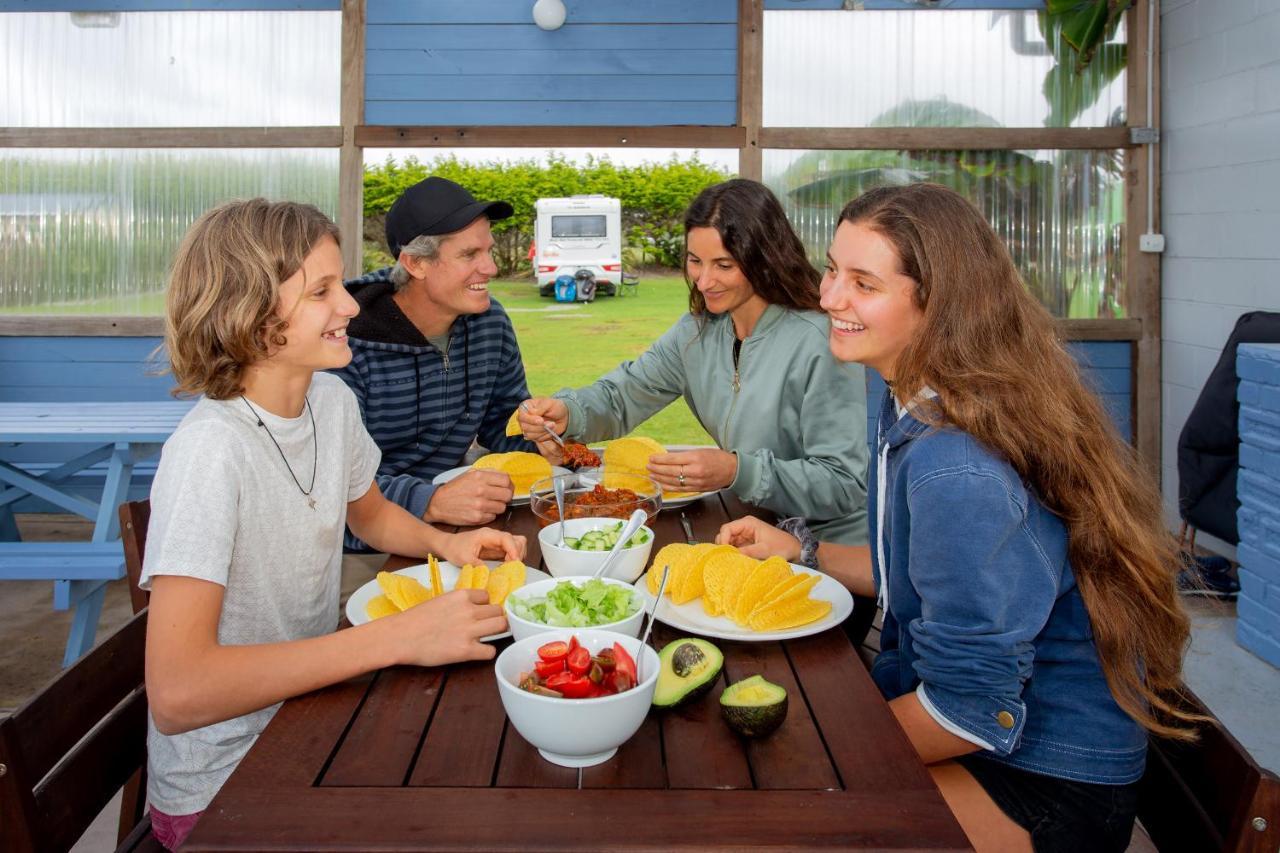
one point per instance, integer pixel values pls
(134, 517)
(1209, 795)
(89, 727)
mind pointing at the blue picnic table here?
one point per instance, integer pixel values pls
(120, 435)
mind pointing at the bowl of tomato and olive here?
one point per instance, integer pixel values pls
(577, 695)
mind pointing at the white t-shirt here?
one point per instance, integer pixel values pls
(225, 509)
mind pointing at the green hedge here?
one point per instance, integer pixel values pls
(653, 195)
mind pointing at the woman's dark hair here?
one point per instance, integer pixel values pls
(757, 235)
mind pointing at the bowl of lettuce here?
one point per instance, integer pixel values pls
(574, 603)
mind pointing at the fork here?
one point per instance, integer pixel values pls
(554, 435)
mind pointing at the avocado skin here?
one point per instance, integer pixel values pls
(674, 691)
(754, 720)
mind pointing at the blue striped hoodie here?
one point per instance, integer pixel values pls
(424, 407)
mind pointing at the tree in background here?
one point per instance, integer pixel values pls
(653, 195)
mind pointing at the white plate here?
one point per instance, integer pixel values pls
(359, 600)
(516, 500)
(692, 618)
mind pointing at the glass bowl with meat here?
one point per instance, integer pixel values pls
(596, 493)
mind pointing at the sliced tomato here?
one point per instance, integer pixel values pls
(578, 688)
(596, 691)
(626, 664)
(619, 681)
(570, 685)
(554, 651)
(573, 642)
(548, 668)
(578, 661)
(606, 660)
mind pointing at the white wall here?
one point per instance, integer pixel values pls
(1220, 97)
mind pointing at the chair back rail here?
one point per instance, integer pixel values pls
(1206, 795)
(70, 748)
(134, 517)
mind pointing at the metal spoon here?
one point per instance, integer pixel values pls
(554, 435)
(634, 523)
(557, 483)
(662, 587)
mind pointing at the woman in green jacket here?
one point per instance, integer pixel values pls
(752, 361)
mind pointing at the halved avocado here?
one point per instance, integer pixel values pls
(687, 670)
(754, 707)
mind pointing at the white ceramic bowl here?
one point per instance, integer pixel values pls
(522, 628)
(575, 732)
(563, 562)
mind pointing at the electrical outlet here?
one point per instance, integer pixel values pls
(1151, 243)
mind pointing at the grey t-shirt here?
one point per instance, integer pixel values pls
(225, 509)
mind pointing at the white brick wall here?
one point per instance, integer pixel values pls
(1220, 98)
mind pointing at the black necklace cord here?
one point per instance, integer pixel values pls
(315, 440)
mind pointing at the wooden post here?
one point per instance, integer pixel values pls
(1143, 268)
(750, 85)
(351, 158)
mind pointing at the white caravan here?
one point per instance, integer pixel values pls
(579, 233)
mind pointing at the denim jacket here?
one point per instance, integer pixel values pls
(984, 619)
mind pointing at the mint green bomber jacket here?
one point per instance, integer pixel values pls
(797, 423)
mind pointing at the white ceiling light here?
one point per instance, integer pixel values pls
(549, 14)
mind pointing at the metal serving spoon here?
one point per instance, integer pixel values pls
(634, 523)
(653, 614)
(557, 484)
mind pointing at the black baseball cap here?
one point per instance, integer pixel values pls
(436, 206)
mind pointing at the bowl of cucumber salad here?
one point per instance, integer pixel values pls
(587, 541)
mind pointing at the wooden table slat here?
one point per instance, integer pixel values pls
(467, 819)
(384, 736)
(296, 745)
(794, 756)
(520, 766)
(701, 751)
(638, 763)
(865, 741)
(461, 747)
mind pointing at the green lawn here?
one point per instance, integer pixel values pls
(564, 345)
(567, 346)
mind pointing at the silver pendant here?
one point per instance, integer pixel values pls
(311, 502)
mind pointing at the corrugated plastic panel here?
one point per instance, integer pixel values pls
(170, 69)
(94, 230)
(948, 68)
(1061, 213)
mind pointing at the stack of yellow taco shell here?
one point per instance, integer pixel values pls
(632, 454)
(523, 468)
(762, 595)
(400, 592)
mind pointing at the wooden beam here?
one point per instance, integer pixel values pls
(943, 138)
(1124, 329)
(669, 136)
(351, 157)
(751, 86)
(170, 137)
(1143, 268)
(86, 325)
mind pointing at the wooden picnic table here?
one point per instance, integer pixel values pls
(117, 435)
(424, 759)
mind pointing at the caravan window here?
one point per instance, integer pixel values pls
(577, 226)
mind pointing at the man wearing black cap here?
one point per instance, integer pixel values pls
(434, 360)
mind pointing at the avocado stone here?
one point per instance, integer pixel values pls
(754, 707)
(687, 669)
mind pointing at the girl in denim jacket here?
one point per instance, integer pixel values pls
(1032, 632)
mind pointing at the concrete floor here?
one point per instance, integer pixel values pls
(1242, 690)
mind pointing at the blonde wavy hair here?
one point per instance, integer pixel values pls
(220, 306)
(993, 355)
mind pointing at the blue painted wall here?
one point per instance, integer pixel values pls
(66, 369)
(484, 62)
(1107, 366)
(1258, 608)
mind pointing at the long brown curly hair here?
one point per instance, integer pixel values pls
(1002, 375)
(220, 307)
(755, 231)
